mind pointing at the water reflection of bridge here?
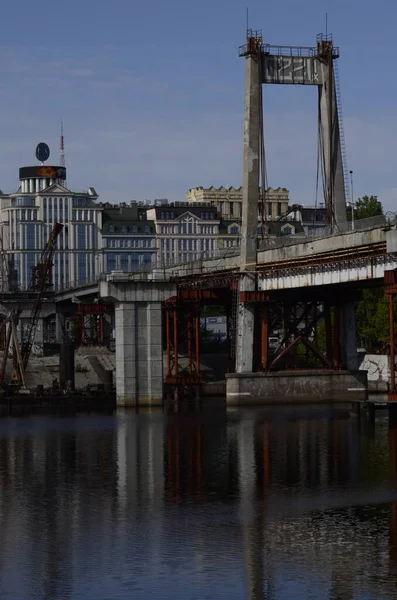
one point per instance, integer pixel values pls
(195, 494)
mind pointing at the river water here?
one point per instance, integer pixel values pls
(200, 504)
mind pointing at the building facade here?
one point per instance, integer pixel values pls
(184, 231)
(128, 238)
(27, 219)
(228, 201)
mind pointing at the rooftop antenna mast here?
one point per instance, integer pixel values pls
(62, 146)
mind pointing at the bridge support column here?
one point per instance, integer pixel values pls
(139, 356)
(245, 329)
(336, 200)
(249, 225)
(139, 337)
(349, 338)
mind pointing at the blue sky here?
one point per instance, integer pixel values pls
(152, 93)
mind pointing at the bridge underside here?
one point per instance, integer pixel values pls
(304, 335)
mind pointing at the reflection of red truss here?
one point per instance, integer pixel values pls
(92, 317)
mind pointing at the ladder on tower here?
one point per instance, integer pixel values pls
(341, 131)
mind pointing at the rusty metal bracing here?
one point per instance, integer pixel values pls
(183, 342)
(92, 322)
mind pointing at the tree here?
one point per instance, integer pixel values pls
(372, 319)
(367, 206)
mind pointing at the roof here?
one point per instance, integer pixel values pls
(121, 213)
(132, 228)
(130, 217)
(275, 228)
(178, 211)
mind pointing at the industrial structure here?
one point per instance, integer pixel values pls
(296, 286)
(288, 287)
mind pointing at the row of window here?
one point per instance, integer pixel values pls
(126, 229)
(192, 228)
(202, 245)
(131, 243)
(171, 215)
(128, 261)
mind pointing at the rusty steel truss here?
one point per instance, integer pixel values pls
(91, 321)
(182, 325)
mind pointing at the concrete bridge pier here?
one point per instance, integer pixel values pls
(139, 339)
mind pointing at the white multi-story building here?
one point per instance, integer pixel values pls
(184, 231)
(28, 216)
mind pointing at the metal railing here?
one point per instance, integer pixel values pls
(195, 265)
(389, 219)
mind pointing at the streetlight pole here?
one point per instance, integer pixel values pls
(351, 185)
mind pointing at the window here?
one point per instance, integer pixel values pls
(111, 261)
(111, 229)
(134, 229)
(81, 243)
(287, 230)
(80, 202)
(123, 229)
(124, 261)
(162, 215)
(234, 229)
(30, 241)
(147, 228)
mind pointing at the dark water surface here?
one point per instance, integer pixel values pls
(191, 506)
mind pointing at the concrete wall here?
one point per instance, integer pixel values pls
(293, 387)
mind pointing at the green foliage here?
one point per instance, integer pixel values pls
(372, 321)
(367, 206)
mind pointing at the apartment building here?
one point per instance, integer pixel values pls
(28, 216)
(184, 231)
(128, 238)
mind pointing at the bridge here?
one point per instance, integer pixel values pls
(305, 290)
